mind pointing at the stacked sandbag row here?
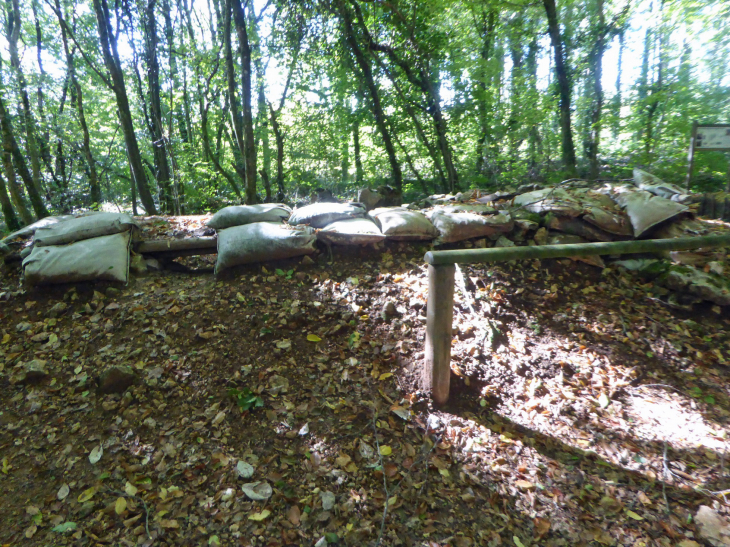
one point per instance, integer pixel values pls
(89, 248)
(256, 233)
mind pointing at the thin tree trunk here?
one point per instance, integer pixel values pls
(236, 121)
(356, 151)
(244, 49)
(377, 108)
(279, 137)
(483, 81)
(94, 186)
(174, 73)
(429, 84)
(534, 140)
(159, 141)
(17, 158)
(596, 73)
(267, 184)
(108, 43)
(617, 98)
(13, 33)
(45, 140)
(561, 72)
(16, 192)
(11, 220)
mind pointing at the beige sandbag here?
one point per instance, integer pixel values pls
(262, 241)
(351, 231)
(86, 227)
(402, 224)
(238, 215)
(454, 227)
(319, 215)
(646, 210)
(104, 258)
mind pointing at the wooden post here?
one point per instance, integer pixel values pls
(691, 157)
(439, 317)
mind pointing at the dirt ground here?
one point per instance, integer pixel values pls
(583, 410)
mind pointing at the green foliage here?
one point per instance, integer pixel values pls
(484, 67)
(245, 399)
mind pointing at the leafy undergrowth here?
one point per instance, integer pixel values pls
(281, 406)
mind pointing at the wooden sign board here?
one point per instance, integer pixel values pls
(709, 137)
(712, 137)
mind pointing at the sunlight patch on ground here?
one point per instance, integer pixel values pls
(655, 416)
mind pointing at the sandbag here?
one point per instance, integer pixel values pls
(402, 224)
(352, 231)
(576, 226)
(454, 227)
(28, 231)
(646, 210)
(262, 241)
(319, 215)
(476, 208)
(609, 220)
(86, 227)
(238, 215)
(655, 185)
(104, 258)
(550, 200)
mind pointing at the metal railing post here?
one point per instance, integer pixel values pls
(439, 316)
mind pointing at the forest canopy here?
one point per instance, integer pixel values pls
(176, 106)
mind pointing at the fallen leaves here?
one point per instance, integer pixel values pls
(257, 491)
(96, 454)
(258, 517)
(63, 492)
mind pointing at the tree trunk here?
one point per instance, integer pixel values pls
(596, 73)
(244, 50)
(45, 149)
(16, 158)
(174, 73)
(13, 33)
(425, 79)
(377, 108)
(617, 99)
(561, 73)
(483, 81)
(534, 140)
(236, 121)
(279, 137)
(94, 186)
(159, 141)
(267, 184)
(434, 108)
(11, 220)
(108, 43)
(356, 151)
(16, 192)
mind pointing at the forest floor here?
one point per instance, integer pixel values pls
(583, 410)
